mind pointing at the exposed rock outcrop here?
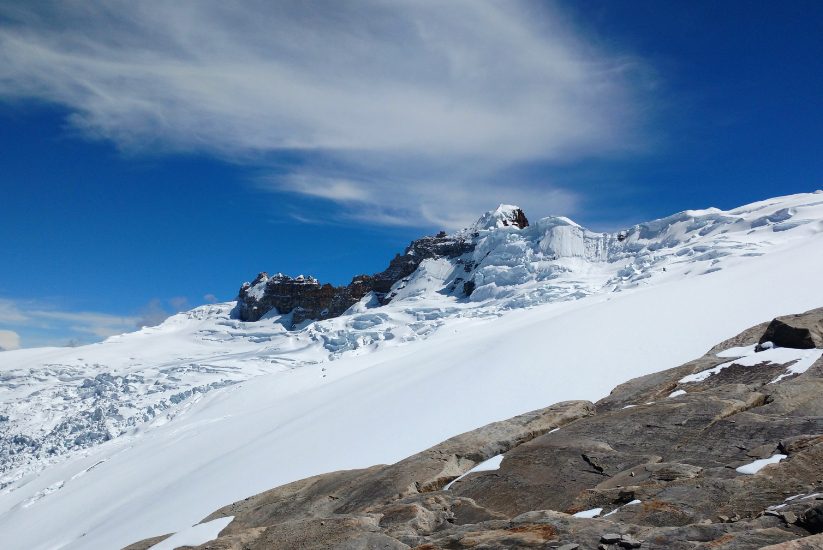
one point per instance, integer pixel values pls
(692, 457)
(305, 298)
(795, 331)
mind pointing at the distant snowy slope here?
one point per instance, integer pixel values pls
(153, 430)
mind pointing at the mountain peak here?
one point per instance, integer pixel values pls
(504, 215)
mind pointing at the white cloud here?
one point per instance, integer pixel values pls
(448, 203)
(9, 340)
(40, 323)
(9, 312)
(375, 88)
(100, 325)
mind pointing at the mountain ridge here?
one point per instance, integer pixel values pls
(307, 299)
(552, 241)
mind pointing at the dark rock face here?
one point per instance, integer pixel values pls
(306, 298)
(812, 519)
(795, 331)
(517, 219)
(663, 470)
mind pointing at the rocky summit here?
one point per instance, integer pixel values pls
(724, 452)
(305, 298)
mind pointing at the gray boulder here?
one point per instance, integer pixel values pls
(801, 331)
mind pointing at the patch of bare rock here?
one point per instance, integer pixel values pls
(646, 469)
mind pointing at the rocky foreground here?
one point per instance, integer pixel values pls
(669, 460)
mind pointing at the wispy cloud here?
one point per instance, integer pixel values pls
(92, 323)
(448, 202)
(30, 323)
(10, 313)
(374, 89)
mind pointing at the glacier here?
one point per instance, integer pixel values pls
(147, 432)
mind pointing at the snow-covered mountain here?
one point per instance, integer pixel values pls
(148, 432)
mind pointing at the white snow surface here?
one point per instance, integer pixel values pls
(797, 361)
(499, 217)
(753, 467)
(587, 514)
(486, 466)
(801, 364)
(194, 535)
(630, 503)
(149, 432)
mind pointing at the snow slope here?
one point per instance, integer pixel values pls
(151, 431)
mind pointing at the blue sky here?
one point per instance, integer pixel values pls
(153, 157)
